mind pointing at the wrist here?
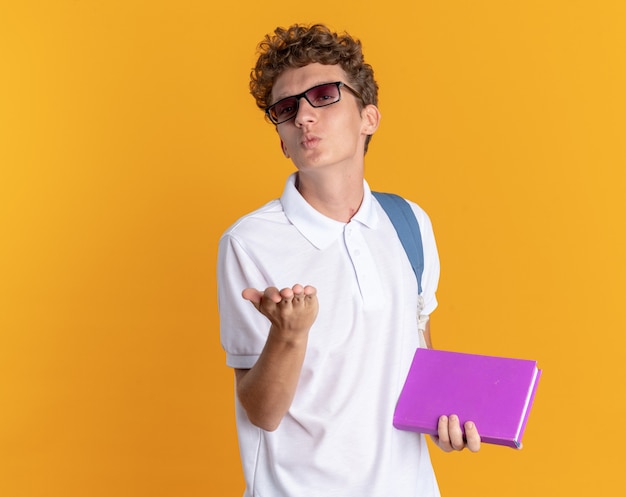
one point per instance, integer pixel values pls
(293, 338)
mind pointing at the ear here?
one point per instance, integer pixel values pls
(284, 149)
(371, 119)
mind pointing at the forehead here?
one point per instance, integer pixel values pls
(295, 80)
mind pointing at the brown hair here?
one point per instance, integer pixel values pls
(300, 45)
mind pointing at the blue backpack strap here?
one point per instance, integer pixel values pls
(405, 223)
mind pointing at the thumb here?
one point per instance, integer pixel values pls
(253, 295)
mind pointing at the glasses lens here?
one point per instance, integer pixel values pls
(318, 96)
(284, 110)
(323, 95)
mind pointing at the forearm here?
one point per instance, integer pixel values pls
(425, 330)
(267, 389)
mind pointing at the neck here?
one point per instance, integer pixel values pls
(338, 196)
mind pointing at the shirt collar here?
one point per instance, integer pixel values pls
(317, 228)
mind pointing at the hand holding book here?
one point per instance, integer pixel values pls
(492, 395)
(450, 436)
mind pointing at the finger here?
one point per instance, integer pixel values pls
(298, 293)
(286, 295)
(455, 433)
(253, 295)
(271, 293)
(443, 436)
(472, 436)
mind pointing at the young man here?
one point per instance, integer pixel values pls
(325, 332)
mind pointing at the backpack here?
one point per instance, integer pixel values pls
(405, 223)
(403, 219)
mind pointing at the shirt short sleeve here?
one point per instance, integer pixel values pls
(243, 330)
(430, 277)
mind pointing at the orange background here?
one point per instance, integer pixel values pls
(128, 143)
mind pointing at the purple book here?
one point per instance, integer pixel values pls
(496, 393)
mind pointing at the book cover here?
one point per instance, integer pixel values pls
(496, 393)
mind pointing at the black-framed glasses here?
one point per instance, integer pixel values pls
(318, 96)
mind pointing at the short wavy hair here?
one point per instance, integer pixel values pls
(300, 45)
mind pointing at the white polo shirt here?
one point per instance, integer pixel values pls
(337, 438)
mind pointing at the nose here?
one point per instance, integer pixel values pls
(306, 112)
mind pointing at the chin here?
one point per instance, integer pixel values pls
(311, 162)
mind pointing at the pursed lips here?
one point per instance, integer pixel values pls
(309, 141)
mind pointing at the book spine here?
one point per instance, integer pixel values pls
(529, 403)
